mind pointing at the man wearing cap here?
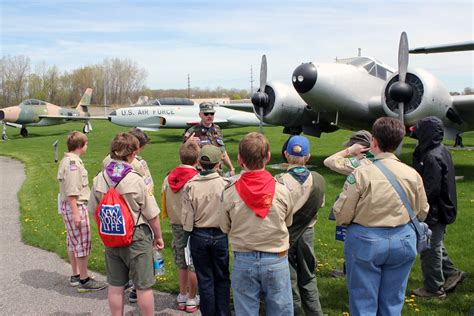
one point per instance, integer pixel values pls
(209, 249)
(307, 190)
(353, 156)
(208, 133)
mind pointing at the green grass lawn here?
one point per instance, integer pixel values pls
(42, 226)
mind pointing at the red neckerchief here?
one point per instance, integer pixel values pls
(256, 189)
(179, 176)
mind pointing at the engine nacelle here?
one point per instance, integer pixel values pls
(430, 97)
(285, 106)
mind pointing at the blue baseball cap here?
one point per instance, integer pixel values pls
(298, 146)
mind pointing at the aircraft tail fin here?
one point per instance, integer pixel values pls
(85, 101)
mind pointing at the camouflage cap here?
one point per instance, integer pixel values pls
(210, 154)
(206, 107)
(362, 137)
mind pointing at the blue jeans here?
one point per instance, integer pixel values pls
(378, 263)
(210, 254)
(261, 274)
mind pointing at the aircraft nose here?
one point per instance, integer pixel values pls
(304, 77)
(2, 115)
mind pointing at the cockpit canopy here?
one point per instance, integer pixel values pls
(371, 65)
(33, 102)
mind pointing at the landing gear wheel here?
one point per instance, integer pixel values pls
(87, 128)
(24, 132)
(4, 137)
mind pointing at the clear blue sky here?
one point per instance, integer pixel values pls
(216, 42)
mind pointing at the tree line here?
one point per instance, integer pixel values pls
(122, 79)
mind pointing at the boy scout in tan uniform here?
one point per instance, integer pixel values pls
(208, 133)
(307, 189)
(73, 197)
(171, 204)
(209, 246)
(134, 261)
(258, 233)
(354, 156)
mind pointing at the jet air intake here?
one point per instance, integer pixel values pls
(2, 115)
(304, 77)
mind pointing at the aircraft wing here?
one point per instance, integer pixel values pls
(456, 47)
(73, 118)
(245, 107)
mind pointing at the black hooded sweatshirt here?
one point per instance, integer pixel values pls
(434, 163)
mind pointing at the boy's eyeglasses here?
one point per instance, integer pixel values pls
(207, 114)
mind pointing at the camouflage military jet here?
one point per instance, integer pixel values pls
(34, 112)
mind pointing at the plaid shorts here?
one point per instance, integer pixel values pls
(178, 244)
(78, 238)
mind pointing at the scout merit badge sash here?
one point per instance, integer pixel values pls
(256, 189)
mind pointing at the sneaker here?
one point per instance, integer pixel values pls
(132, 297)
(74, 280)
(181, 301)
(453, 280)
(91, 286)
(192, 304)
(423, 293)
(128, 287)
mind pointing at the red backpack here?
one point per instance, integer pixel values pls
(114, 219)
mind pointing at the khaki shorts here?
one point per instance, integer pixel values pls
(178, 244)
(134, 262)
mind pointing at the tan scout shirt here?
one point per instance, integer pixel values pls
(174, 205)
(369, 199)
(73, 178)
(139, 165)
(299, 192)
(345, 165)
(133, 190)
(247, 231)
(201, 201)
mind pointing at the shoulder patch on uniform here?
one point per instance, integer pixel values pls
(351, 179)
(72, 165)
(354, 162)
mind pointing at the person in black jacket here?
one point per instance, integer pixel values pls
(434, 163)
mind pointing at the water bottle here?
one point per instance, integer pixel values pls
(158, 263)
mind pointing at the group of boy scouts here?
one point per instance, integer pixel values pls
(268, 221)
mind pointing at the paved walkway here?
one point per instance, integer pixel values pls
(34, 281)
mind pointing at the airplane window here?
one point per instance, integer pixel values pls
(381, 72)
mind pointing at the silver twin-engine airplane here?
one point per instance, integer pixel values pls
(352, 93)
(152, 118)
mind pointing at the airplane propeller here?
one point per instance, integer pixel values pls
(401, 91)
(260, 98)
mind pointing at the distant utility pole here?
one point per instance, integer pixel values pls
(105, 95)
(360, 50)
(251, 79)
(189, 87)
